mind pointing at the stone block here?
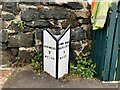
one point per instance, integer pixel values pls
(39, 24)
(78, 34)
(73, 55)
(75, 5)
(3, 46)
(30, 14)
(3, 35)
(83, 14)
(21, 40)
(15, 51)
(76, 46)
(7, 17)
(17, 29)
(11, 7)
(4, 24)
(5, 56)
(86, 49)
(84, 21)
(57, 13)
(38, 36)
(86, 27)
(26, 53)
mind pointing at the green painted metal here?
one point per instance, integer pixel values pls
(98, 39)
(109, 43)
(93, 45)
(102, 54)
(118, 68)
(114, 55)
(105, 48)
(99, 50)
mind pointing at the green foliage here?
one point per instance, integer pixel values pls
(36, 62)
(84, 67)
(19, 23)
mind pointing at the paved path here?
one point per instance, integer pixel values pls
(29, 79)
(4, 75)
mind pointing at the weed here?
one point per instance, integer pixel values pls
(36, 62)
(19, 23)
(84, 67)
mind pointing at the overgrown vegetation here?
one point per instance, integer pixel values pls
(19, 23)
(36, 62)
(84, 67)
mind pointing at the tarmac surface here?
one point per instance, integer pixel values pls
(26, 78)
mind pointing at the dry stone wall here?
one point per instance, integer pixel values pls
(22, 23)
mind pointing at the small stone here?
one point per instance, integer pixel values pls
(7, 17)
(75, 5)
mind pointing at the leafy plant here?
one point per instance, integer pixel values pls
(84, 67)
(36, 62)
(19, 23)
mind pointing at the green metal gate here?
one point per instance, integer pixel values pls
(105, 51)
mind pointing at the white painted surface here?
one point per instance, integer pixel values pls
(49, 64)
(64, 55)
